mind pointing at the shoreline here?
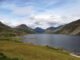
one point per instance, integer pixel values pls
(72, 54)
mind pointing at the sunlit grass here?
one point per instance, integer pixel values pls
(32, 52)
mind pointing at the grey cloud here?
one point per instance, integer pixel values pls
(53, 24)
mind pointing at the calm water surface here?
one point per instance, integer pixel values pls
(70, 43)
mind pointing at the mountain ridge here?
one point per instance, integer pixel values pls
(72, 28)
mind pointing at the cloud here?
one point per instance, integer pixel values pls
(39, 13)
(23, 10)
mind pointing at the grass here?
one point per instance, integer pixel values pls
(24, 51)
(3, 57)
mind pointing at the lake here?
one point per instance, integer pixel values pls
(69, 43)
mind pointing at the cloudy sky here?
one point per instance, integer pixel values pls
(39, 13)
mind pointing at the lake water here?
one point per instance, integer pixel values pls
(70, 43)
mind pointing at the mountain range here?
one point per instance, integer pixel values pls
(18, 30)
(72, 28)
(53, 29)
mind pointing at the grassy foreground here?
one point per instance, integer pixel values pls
(24, 51)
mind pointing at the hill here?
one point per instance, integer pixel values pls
(4, 27)
(39, 30)
(24, 29)
(53, 29)
(6, 30)
(8, 33)
(72, 28)
(23, 51)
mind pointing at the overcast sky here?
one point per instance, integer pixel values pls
(39, 13)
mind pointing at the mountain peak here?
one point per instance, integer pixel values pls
(22, 25)
(39, 30)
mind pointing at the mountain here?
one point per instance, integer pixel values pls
(39, 30)
(50, 30)
(23, 29)
(4, 27)
(5, 30)
(72, 28)
(53, 29)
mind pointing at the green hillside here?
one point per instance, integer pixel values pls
(23, 51)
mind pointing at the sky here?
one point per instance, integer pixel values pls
(39, 13)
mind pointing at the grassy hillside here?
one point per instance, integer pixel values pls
(30, 52)
(72, 28)
(3, 57)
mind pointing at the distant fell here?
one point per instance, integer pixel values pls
(72, 28)
(52, 29)
(39, 30)
(24, 29)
